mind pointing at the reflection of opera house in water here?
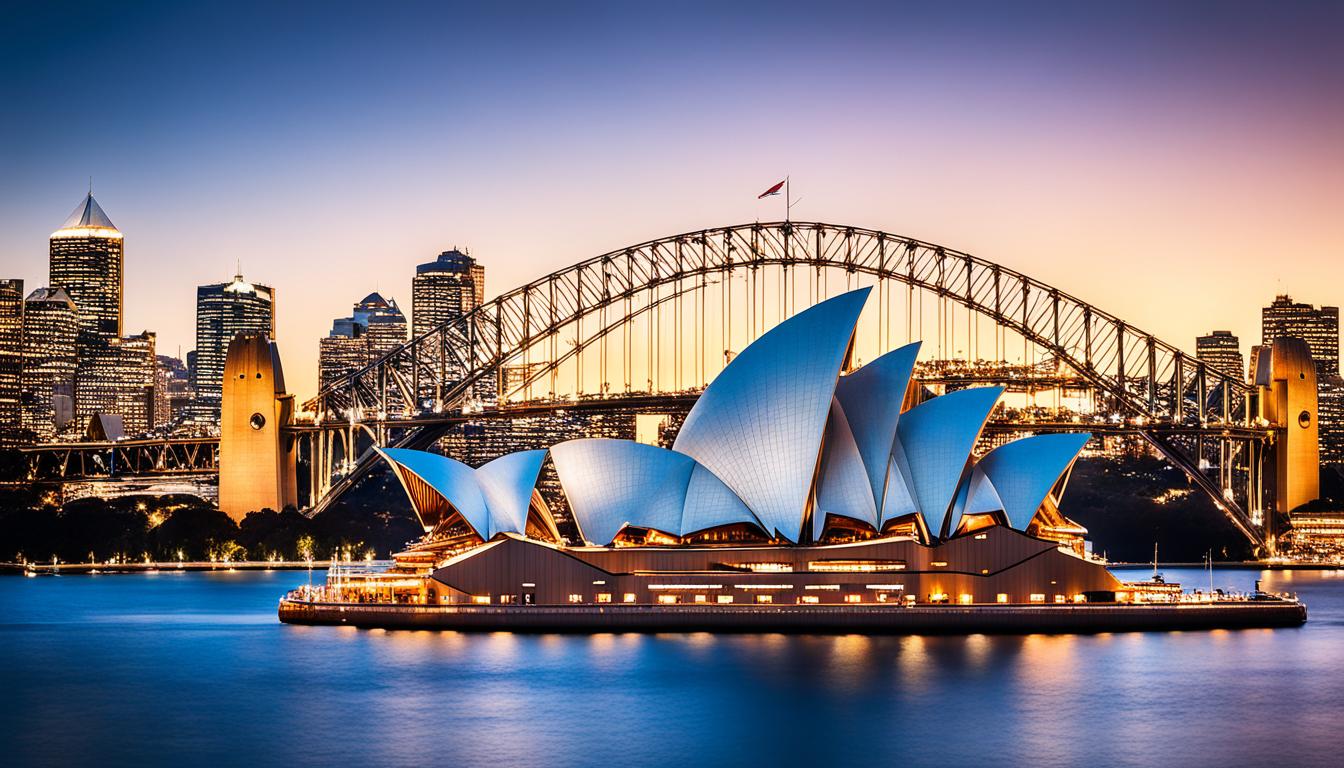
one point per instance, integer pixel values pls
(797, 495)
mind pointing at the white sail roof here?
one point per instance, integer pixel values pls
(614, 483)
(759, 425)
(937, 437)
(491, 499)
(871, 397)
(1017, 476)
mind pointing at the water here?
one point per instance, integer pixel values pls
(171, 669)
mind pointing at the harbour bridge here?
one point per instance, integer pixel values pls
(642, 329)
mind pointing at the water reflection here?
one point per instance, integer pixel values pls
(196, 664)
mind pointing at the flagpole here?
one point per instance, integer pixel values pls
(787, 200)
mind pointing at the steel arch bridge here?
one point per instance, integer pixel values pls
(656, 299)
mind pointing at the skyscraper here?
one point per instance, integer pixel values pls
(445, 289)
(224, 310)
(172, 391)
(1318, 327)
(86, 261)
(1222, 350)
(375, 326)
(136, 373)
(50, 328)
(11, 359)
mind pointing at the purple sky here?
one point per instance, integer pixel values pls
(1174, 163)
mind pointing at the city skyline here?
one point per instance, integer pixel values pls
(1178, 159)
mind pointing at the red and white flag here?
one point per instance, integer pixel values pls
(771, 191)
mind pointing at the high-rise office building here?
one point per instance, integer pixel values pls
(87, 255)
(50, 329)
(375, 327)
(172, 391)
(11, 359)
(1318, 327)
(136, 371)
(1222, 350)
(224, 310)
(445, 289)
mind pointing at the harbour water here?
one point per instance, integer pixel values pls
(172, 668)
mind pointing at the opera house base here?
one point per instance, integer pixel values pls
(801, 619)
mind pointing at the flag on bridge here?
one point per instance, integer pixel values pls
(771, 191)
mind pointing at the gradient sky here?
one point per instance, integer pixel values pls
(1175, 163)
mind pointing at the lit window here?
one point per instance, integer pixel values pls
(480, 599)
(822, 586)
(765, 598)
(965, 599)
(725, 598)
(939, 563)
(700, 598)
(576, 598)
(629, 597)
(938, 597)
(1037, 597)
(669, 599)
(508, 599)
(809, 599)
(981, 536)
(604, 597)
(910, 599)
(1003, 597)
(853, 598)
(600, 583)
(1060, 599)
(1080, 598)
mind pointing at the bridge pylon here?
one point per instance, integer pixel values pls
(257, 460)
(1285, 377)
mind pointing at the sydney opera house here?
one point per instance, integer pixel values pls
(793, 481)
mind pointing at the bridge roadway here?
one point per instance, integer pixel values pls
(194, 455)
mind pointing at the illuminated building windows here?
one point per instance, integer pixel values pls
(981, 536)
(939, 564)
(1037, 597)
(1060, 599)
(480, 599)
(853, 598)
(628, 597)
(1080, 598)
(576, 598)
(508, 599)
(855, 566)
(765, 598)
(769, 567)
(938, 597)
(965, 599)
(1002, 597)
(700, 598)
(604, 597)
(724, 599)
(809, 599)
(669, 599)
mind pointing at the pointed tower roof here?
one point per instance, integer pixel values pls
(88, 215)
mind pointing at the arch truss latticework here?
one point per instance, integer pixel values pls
(1188, 410)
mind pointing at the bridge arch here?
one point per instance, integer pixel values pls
(1149, 383)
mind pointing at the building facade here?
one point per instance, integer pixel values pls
(1319, 328)
(375, 327)
(11, 360)
(1222, 350)
(172, 391)
(87, 259)
(50, 331)
(445, 289)
(224, 310)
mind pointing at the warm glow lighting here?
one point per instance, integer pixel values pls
(77, 232)
(761, 586)
(965, 599)
(1002, 597)
(685, 586)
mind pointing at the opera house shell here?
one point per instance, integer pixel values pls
(795, 478)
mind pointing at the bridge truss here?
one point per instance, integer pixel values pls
(659, 319)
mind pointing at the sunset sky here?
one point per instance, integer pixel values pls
(1176, 164)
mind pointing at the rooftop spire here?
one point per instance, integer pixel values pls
(88, 214)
